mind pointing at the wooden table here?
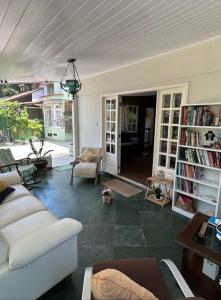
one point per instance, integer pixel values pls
(195, 249)
(167, 195)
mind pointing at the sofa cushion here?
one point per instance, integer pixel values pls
(85, 170)
(5, 190)
(11, 177)
(3, 249)
(111, 284)
(19, 192)
(19, 208)
(27, 226)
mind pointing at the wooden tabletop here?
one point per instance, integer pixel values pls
(156, 179)
(185, 239)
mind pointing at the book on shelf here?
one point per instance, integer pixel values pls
(190, 171)
(199, 156)
(197, 116)
(187, 186)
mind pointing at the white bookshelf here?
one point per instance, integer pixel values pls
(205, 189)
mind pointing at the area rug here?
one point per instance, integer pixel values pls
(125, 189)
(63, 168)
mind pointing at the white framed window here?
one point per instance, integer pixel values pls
(131, 118)
(48, 116)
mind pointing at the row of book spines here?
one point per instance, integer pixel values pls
(207, 158)
(194, 115)
(190, 138)
(187, 186)
(189, 171)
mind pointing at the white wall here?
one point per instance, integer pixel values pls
(200, 65)
(90, 121)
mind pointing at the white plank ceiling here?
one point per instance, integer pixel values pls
(37, 36)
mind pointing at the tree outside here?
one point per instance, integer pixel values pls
(15, 123)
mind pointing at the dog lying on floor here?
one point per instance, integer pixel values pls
(107, 195)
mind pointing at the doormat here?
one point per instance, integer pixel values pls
(125, 189)
(63, 168)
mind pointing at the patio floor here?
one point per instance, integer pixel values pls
(60, 155)
(130, 227)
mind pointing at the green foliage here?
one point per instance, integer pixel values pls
(17, 122)
(8, 90)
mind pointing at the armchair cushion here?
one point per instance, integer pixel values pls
(111, 284)
(145, 272)
(85, 170)
(5, 190)
(88, 156)
(3, 249)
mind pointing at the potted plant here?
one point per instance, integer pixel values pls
(158, 192)
(39, 161)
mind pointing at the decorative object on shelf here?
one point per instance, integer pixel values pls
(39, 161)
(71, 86)
(186, 203)
(158, 192)
(161, 174)
(161, 194)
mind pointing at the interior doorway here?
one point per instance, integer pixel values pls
(137, 135)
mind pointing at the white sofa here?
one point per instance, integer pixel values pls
(36, 249)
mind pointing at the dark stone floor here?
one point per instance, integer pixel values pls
(129, 228)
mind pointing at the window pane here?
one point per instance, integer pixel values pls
(112, 149)
(108, 115)
(163, 146)
(164, 132)
(112, 127)
(113, 116)
(112, 138)
(176, 114)
(177, 100)
(173, 147)
(113, 104)
(108, 126)
(166, 101)
(108, 140)
(165, 116)
(174, 130)
(172, 162)
(108, 104)
(162, 160)
(108, 148)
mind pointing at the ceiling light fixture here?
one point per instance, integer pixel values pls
(71, 86)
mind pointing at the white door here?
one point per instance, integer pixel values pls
(111, 135)
(169, 103)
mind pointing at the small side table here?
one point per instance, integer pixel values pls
(167, 195)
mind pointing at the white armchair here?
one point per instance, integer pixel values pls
(87, 169)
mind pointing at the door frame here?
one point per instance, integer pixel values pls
(157, 89)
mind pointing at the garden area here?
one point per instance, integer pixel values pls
(15, 124)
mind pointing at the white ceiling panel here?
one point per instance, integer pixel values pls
(38, 36)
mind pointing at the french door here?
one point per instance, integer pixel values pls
(111, 137)
(169, 103)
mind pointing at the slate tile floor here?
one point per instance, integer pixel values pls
(129, 228)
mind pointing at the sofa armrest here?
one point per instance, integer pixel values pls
(33, 246)
(11, 178)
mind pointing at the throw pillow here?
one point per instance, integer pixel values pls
(111, 284)
(88, 156)
(5, 190)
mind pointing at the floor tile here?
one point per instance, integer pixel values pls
(129, 236)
